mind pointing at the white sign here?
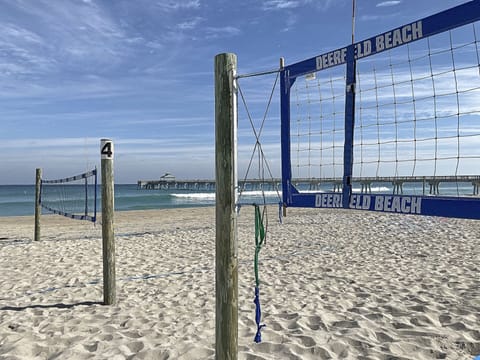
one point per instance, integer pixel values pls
(106, 149)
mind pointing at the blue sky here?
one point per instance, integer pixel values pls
(141, 73)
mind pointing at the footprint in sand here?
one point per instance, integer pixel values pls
(91, 347)
(444, 319)
(136, 346)
(133, 334)
(383, 338)
(306, 341)
(349, 324)
(316, 323)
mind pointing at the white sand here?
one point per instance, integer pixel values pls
(334, 285)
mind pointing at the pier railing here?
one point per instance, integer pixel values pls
(430, 184)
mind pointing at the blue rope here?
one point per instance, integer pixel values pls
(258, 316)
(280, 212)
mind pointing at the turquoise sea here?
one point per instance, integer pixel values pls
(19, 200)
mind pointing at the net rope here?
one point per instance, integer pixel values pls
(416, 119)
(73, 197)
(264, 171)
(264, 176)
(318, 125)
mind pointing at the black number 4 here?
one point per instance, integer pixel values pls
(107, 149)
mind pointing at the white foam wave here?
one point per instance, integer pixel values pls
(355, 190)
(211, 196)
(196, 196)
(258, 193)
(311, 191)
(374, 189)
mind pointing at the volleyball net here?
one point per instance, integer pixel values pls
(74, 197)
(390, 123)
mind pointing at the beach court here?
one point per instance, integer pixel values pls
(335, 284)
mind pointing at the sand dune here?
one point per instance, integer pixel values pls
(334, 285)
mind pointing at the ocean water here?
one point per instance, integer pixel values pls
(19, 200)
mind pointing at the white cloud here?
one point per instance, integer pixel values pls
(290, 23)
(63, 34)
(293, 4)
(389, 3)
(280, 4)
(62, 157)
(326, 4)
(190, 24)
(20, 51)
(12, 33)
(222, 32)
(178, 4)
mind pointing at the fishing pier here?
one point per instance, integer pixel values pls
(207, 185)
(429, 184)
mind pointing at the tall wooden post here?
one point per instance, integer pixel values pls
(38, 207)
(226, 260)
(109, 291)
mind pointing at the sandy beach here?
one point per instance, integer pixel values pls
(335, 284)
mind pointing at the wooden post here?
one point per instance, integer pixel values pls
(226, 260)
(109, 291)
(38, 207)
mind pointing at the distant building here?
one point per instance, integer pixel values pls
(167, 177)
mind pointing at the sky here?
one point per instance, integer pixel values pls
(141, 73)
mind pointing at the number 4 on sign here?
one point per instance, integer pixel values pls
(107, 150)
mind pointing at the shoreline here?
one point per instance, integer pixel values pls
(333, 284)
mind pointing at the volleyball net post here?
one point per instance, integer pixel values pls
(108, 237)
(75, 198)
(226, 242)
(38, 206)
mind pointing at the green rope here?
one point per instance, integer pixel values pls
(259, 237)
